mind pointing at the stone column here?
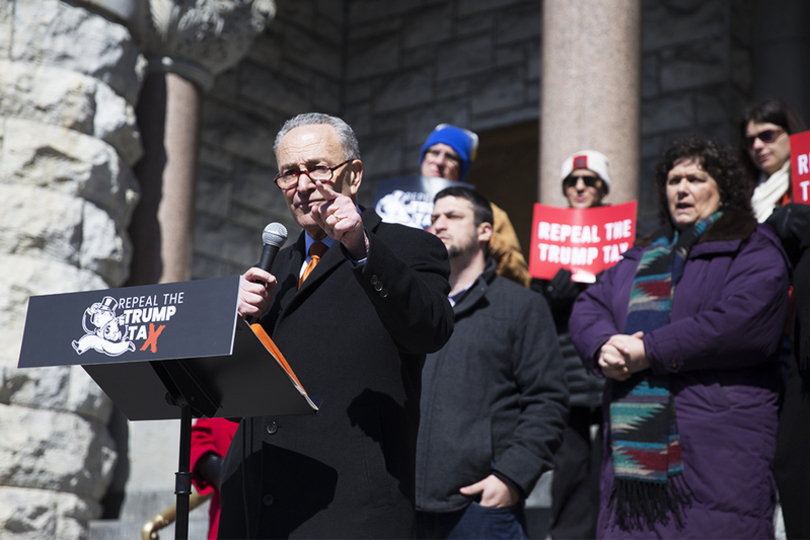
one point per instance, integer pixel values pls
(590, 97)
(69, 78)
(187, 45)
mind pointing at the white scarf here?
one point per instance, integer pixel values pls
(769, 192)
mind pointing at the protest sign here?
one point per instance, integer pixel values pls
(585, 241)
(408, 200)
(800, 166)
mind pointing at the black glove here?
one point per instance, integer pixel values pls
(210, 468)
(791, 223)
(561, 287)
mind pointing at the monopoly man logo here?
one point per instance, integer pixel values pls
(117, 326)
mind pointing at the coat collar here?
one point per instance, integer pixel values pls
(477, 290)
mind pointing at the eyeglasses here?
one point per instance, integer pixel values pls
(436, 154)
(571, 181)
(289, 179)
(768, 136)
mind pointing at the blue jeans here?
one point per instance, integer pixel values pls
(473, 522)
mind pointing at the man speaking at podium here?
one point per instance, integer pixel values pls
(355, 331)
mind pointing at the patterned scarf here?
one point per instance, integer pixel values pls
(648, 485)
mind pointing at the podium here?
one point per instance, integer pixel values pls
(174, 350)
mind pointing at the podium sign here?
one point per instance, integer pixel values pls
(138, 343)
(133, 324)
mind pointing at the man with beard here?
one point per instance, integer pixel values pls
(493, 398)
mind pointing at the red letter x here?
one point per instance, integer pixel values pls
(152, 339)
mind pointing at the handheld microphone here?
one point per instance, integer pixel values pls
(273, 237)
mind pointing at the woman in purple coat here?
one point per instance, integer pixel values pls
(686, 328)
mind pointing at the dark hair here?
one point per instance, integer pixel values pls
(772, 111)
(717, 159)
(481, 208)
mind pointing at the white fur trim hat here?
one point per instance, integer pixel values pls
(587, 159)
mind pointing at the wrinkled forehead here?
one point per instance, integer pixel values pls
(309, 144)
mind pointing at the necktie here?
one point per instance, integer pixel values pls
(316, 251)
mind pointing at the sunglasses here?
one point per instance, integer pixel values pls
(571, 181)
(768, 136)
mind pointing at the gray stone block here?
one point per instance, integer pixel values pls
(711, 106)
(241, 134)
(465, 57)
(430, 25)
(518, 23)
(300, 11)
(325, 94)
(6, 17)
(310, 50)
(650, 86)
(498, 90)
(408, 89)
(420, 122)
(418, 57)
(267, 49)
(359, 117)
(378, 30)
(227, 241)
(382, 155)
(282, 93)
(469, 7)
(32, 514)
(226, 86)
(371, 11)
(205, 267)
(329, 30)
(216, 158)
(534, 59)
(57, 451)
(676, 112)
(473, 25)
(213, 192)
(663, 25)
(253, 187)
(355, 93)
(505, 118)
(510, 55)
(46, 33)
(333, 10)
(698, 64)
(373, 57)
(453, 89)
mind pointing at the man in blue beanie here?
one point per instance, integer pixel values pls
(449, 152)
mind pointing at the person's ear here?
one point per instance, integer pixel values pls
(355, 176)
(485, 232)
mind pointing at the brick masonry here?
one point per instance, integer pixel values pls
(394, 71)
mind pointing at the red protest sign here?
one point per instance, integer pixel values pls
(800, 166)
(585, 241)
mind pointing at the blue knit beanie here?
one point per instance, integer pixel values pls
(463, 141)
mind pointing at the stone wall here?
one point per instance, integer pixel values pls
(394, 71)
(295, 66)
(67, 143)
(696, 77)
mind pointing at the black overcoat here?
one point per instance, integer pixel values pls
(356, 336)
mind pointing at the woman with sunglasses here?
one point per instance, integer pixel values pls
(765, 131)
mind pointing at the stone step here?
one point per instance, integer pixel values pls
(110, 529)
